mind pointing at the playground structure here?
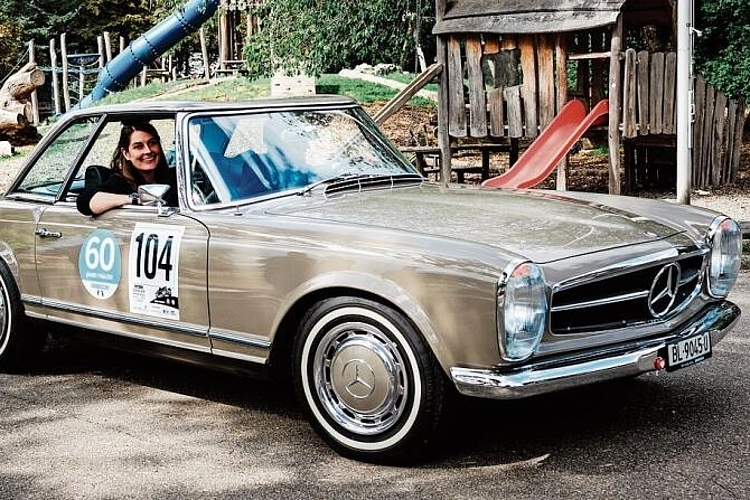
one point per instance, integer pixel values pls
(507, 70)
(510, 67)
(70, 74)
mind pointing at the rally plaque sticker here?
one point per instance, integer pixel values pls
(153, 264)
(100, 263)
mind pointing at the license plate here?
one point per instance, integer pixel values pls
(688, 351)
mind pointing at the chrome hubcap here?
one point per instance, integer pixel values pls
(360, 378)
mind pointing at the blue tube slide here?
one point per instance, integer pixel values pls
(150, 46)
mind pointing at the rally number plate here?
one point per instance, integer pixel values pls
(688, 351)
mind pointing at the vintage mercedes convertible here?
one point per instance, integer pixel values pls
(304, 244)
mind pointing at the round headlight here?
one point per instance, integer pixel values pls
(725, 238)
(524, 312)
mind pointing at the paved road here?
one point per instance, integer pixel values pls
(94, 423)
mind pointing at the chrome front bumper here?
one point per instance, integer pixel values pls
(533, 379)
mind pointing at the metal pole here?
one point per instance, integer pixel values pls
(684, 99)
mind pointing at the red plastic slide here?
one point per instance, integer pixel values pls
(541, 158)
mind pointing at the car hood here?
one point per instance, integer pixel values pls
(539, 225)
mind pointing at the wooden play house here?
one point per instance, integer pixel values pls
(509, 68)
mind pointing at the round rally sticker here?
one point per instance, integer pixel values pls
(99, 264)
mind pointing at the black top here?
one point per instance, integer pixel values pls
(117, 184)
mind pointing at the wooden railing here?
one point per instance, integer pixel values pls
(649, 97)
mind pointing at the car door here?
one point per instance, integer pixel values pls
(132, 271)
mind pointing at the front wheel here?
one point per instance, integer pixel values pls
(370, 386)
(18, 344)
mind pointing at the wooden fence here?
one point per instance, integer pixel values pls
(649, 109)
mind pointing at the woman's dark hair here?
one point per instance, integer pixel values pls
(124, 166)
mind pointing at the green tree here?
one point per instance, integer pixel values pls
(315, 36)
(723, 51)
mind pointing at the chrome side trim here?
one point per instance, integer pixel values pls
(230, 337)
(258, 360)
(148, 338)
(194, 330)
(597, 366)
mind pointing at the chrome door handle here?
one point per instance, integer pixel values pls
(45, 233)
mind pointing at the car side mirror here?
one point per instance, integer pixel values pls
(153, 194)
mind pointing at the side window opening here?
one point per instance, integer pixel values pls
(49, 171)
(104, 146)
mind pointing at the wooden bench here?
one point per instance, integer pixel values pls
(485, 149)
(232, 67)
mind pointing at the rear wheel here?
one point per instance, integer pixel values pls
(369, 384)
(18, 344)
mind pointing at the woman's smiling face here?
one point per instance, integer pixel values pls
(144, 152)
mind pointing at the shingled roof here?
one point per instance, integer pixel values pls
(526, 16)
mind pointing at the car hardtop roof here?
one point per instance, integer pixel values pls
(156, 107)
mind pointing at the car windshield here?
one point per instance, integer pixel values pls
(244, 156)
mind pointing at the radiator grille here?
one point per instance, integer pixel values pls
(645, 295)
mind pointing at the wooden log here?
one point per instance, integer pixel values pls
(34, 99)
(643, 90)
(407, 93)
(15, 95)
(477, 97)
(55, 83)
(443, 100)
(19, 86)
(615, 98)
(456, 99)
(65, 81)
(629, 118)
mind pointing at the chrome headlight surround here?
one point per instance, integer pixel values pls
(725, 239)
(522, 310)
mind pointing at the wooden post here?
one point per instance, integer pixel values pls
(81, 83)
(65, 83)
(55, 83)
(444, 141)
(223, 42)
(615, 99)
(34, 97)
(108, 46)
(561, 95)
(204, 52)
(100, 49)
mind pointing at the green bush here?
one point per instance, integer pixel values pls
(723, 51)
